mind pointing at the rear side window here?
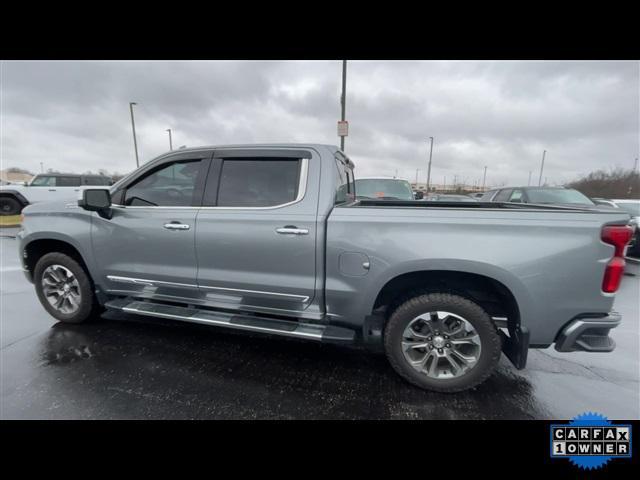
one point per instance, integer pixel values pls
(247, 182)
(95, 180)
(172, 185)
(68, 181)
(345, 190)
(503, 196)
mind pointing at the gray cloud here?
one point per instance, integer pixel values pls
(74, 116)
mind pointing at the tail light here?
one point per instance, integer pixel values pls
(618, 236)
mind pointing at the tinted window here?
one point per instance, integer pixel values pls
(486, 197)
(502, 196)
(557, 195)
(344, 180)
(95, 180)
(68, 181)
(391, 189)
(170, 186)
(258, 183)
(44, 181)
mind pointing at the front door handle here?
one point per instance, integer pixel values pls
(176, 226)
(292, 230)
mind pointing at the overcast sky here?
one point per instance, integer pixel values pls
(74, 116)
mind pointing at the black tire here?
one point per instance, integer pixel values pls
(9, 206)
(88, 305)
(490, 343)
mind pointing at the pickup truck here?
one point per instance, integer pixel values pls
(271, 238)
(46, 187)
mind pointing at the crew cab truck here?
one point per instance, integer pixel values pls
(271, 238)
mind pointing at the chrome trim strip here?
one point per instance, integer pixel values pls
(157, 283)
(302, 190)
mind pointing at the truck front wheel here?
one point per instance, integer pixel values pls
(64, 288)
(442, 342)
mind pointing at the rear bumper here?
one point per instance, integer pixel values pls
(588, 334)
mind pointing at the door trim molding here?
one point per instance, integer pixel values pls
(161, 283)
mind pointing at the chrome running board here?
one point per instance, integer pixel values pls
(309, 331)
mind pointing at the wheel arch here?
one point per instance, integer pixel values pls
(35, 249)
(488, 290)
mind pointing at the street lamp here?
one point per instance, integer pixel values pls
(133, 127)
(170, 144)
(429, 169)
(544, 152)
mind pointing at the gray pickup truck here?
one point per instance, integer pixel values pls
(271, 238)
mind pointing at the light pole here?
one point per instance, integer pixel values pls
(429, 169)
(484, 178)
(133, 127)
(544, 152)
(343, 99)
(170, 143)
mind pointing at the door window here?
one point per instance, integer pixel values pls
(502, 196)
(258, 182)
(516, 196)
(44, 181)
(68, 181)
(171, 185)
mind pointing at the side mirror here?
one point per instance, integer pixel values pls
(419, 195)
(96, 200)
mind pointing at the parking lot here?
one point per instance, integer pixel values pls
(126, 367)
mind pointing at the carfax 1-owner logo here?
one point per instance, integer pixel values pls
(590, 441)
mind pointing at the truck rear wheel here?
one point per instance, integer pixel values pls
(64, 288)
(9, 206)
(442, 342)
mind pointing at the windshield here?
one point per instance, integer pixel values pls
(557, 195)
(632, 208)
(392, 189)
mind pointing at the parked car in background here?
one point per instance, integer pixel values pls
(540, 195)
(449, 197)
(269, 238)
(605, 202)
(632, 207)
(384, 188)
(46, 187)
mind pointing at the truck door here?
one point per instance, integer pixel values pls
(256, 232)
(148, 247)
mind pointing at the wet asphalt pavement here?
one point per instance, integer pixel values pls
(128, 367)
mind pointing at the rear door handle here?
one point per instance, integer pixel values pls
(292, 230)
(176, 226)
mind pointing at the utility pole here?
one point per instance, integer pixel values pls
(170, 142)
(529, 182)
(544, 152)
(429, 169)
(133, 127)
(484, 178)
(343, 99)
